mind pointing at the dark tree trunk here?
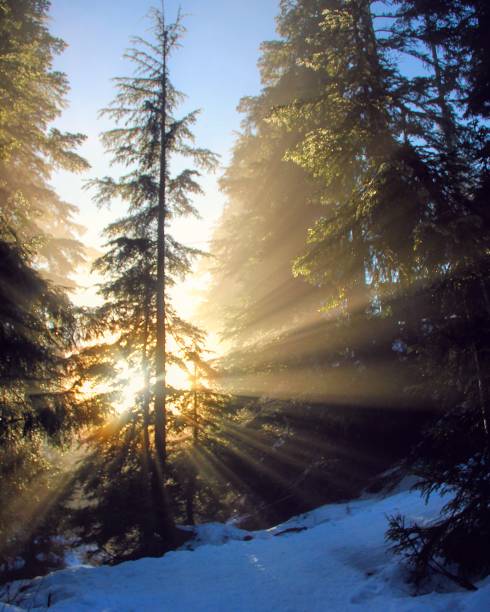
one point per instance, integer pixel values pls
(192, 479)
(149, 526)
(165, 524)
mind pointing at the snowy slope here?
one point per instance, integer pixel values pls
(333, 559)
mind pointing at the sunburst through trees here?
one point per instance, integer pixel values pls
(348, 275)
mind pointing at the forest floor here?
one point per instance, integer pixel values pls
(333, 559)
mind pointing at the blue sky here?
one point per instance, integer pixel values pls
(215, 67)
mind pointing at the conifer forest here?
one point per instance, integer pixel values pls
(259, 284)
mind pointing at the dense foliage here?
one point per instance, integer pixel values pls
(41, 374)
(376, 112)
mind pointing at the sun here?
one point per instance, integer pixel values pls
(132, 381)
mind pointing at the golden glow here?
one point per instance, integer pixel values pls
(89, 388)
(133, 383)
(177, 378)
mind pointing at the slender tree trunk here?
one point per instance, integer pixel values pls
(150, 524)
(191, 483)
(481, 387)
(195, 415)
(190, 495)
(145, 365)
(160, 356)
(165, 525)
(482, 397)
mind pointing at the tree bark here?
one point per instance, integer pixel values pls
(192, 478)
(150, 523)
(160, 354)
(165, 524)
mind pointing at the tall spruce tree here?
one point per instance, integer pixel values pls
(148, 259)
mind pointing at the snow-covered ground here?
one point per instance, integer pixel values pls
(333, 559)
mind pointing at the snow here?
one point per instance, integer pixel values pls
(334, 558)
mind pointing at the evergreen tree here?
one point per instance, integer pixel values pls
(271, 203)
(282, 179)
(454, 317)
(398, 251)
(43, 403)
(144, 261)
(386, 172)
(41, 369)
(33, 95)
